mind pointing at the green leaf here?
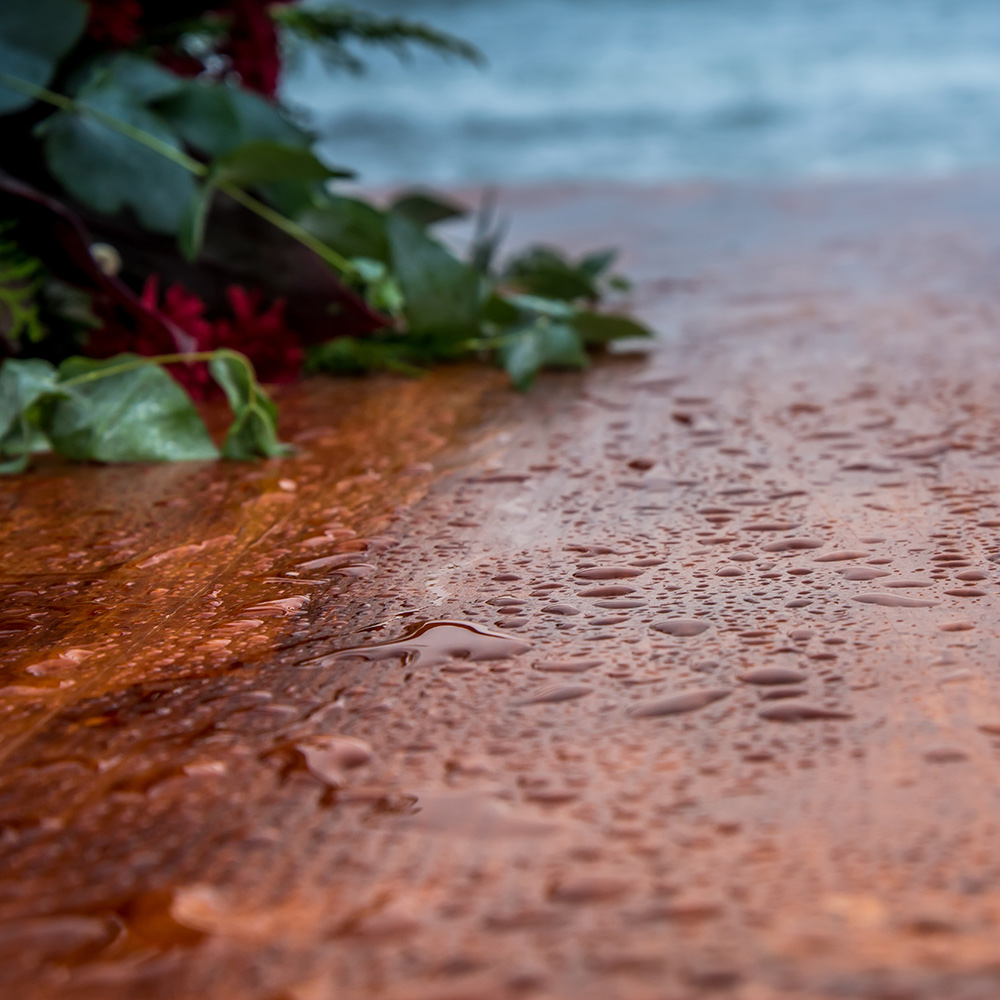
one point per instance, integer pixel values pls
(352, 227)
(265, 160)
(600, 328)
(108, 170)
(547, 273)
(537, 305)
(441, 294)
(216, 118)
(597, 263)
(34, 36)
(500, 311)
(23, 382)
(144, 80)
(542, 344)
(24, 385)
(125, 409)
(426, 210)
(254, 428)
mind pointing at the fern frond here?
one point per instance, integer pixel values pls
(334, 27)
(20, 283)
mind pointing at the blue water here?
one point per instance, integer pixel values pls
(674, 89)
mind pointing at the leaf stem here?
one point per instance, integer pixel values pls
(133, 363)
(290, 227)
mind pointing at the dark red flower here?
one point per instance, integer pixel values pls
(252, 45)
(114, 22)
(180, 62)
(260, 334)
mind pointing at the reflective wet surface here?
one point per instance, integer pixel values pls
(673, 679)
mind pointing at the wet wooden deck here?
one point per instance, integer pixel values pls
(675, 679)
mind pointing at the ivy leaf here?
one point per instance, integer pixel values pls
(426, 210)
(254, 428)
(547, 273)
(125, 409)
(216, 118)
(441, 293)
(109, 171)
(541, 344)
(597, 329)
(33, 38)
(265, 160)
(24, 384)
(351, 227)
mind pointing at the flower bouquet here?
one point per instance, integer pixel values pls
(168, 232)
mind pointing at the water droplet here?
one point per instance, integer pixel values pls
(792, 544)
(328, 758)
(893, 601)
(589, 889)
(945, 755)
(567, 666)
(681, 626)
(840, 555)
(863, 573)
(773, 675)
(433, 643)
(960, 626)
(608, 573)
(557, 693)
(677, 704)
(796, 711)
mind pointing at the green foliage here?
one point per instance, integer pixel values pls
(250, 165)
(106, 168)
(134, 136)
(33, 38)
(549, 273)
(254, 427)
(423, 209)
(441, 294)
(352, 227)
(126, 409)
(23, 387)
(544, 343)
(332, 28)
(20, 282)
(597, 329)
(119, 410)
(216, 118)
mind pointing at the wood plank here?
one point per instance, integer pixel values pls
(580, 694)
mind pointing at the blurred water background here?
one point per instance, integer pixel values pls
(673, 89)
